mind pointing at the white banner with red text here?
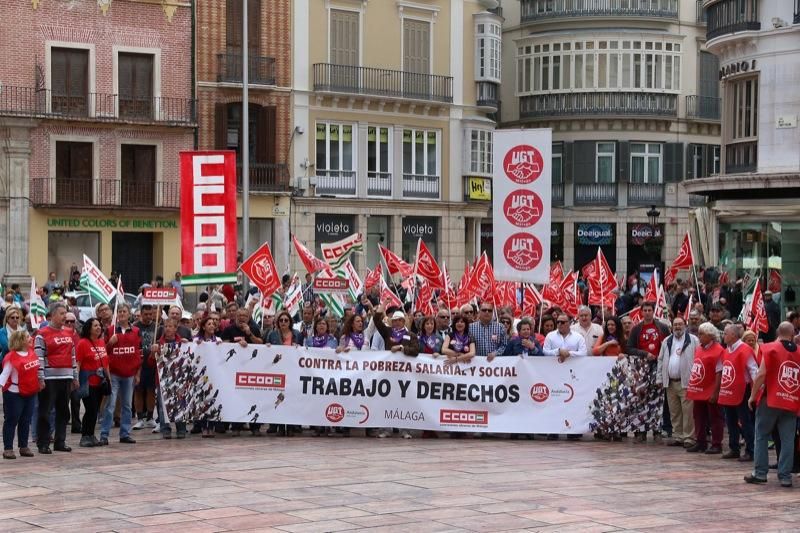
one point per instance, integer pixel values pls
(317, 387)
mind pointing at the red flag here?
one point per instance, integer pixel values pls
(669, 276)
(389, 298)
(552, 291)
(505, 294)
(685, 257)
(688, 308)
(373, 276)
(569, 290)
(461, 291)
(260, 269)
(448, 295)
(424, 297)
(723, 278)
(774, 283)
(758, 313)
(311, 263)
(636, 315)
(602, 281)
(531, 300)
(426, 267)
(394, 263)
(481, 281)
(651, 294)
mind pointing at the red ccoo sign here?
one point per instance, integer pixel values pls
(159, 296)
(331, 284)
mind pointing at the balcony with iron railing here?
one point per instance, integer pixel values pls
(336, 182)
(557, 194)
(487, 94)
(731, 16)
(104, 193)
(379, 184)
(538, 10)
(265, 177)
(420, 186)
(703, 107)
(569, 105)
(645, 194)
(43, 103)
(260, 72)
(386, 83)
(595, 194)
(741, 157)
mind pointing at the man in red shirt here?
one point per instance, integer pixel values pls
(779, 374)
(58, 375)
(644, 342)
(124, 346)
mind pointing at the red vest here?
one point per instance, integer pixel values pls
(125, 357)
(783, 377)
(704, 372)
(59, 343)
(27, 367)
(734, 375)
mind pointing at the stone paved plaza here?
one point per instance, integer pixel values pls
(337, 484)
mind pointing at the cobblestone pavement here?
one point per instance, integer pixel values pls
(337, 484)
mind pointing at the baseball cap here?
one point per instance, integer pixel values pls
(398, 315)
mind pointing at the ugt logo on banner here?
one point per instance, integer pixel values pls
(522, 205)
(208, 216)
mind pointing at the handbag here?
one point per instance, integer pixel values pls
(105, 387)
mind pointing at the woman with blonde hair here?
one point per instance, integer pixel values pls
(750, 338)
(20, 382)
(12, 322)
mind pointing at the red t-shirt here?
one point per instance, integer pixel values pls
(92, 357)
(650, 339)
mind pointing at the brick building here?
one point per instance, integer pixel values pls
(96, 101)
(219, 91)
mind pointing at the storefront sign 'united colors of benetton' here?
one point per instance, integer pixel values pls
(208, 217)
(522, 205)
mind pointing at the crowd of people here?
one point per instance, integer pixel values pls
(695, 377)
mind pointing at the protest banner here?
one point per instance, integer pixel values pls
(318, 387)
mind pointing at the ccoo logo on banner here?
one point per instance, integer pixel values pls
(317, 387)
(208, 217)
(522, 205)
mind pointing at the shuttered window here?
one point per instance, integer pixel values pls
(233, 25)
(73, 173)
(344, 38)
(261, 130)
(69, 80)
(135, 85)
(138, 166)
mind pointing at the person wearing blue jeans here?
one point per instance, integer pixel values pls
(123, 387)
(774, 359)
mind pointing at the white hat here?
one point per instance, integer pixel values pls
(398, 315)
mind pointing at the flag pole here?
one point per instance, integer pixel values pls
(602, 288)
(694, 267)
(446, 291)
(386, 265)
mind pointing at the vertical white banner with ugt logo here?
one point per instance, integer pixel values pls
(522, 204)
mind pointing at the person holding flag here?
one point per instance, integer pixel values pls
(644, 342)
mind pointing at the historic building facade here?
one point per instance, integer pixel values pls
(96, 101)
(632, 97)
(752, 221)
(394, 104)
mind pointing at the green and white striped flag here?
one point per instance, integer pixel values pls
(356, 286)
(277, 302)
(95, 282)
(37, 308)
(336, 253)
(333, 303)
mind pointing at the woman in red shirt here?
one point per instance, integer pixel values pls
(612, 341)
(20, 383)
(92, 360)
